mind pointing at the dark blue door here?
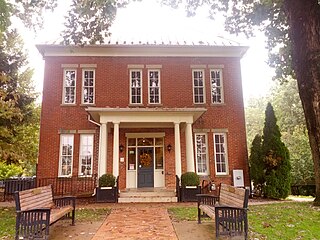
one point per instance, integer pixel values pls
(145, 167)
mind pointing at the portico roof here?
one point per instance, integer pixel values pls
(156, 117)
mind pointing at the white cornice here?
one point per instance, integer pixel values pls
(145, 115)
(115, 50)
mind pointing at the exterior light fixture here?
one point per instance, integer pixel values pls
(169, 147)
(121, 148)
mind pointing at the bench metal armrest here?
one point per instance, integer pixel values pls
(29, 223)
(65, 201)
(207, 199)
(230, 213)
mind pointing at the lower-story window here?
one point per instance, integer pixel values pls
(220, 153)
(201, 153)
(66, 155)
(86, 154)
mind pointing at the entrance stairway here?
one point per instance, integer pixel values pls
(147, 195)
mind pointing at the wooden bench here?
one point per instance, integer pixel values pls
(36, 210)
(229, 210)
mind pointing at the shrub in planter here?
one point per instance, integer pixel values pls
(189, 187)
(190, 179)
(107, 180)
(107, 191)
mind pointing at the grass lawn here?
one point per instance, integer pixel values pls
(8, 221)
(285, 221)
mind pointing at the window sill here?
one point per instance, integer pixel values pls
(135, 105)
(199, 104)
(218, 104)
(222, 175)
(87, 105)
(155, 105)
(68, 105)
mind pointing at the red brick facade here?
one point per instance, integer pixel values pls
(112, 90)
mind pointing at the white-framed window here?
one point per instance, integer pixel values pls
(69, 86)
(86, 154)
(135, 86)
(216, 86)
(220, 153)
(201, 145)
(66, 155)
(154, 86)
(88, 82)
(199, 95)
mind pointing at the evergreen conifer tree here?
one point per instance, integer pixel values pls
(276, 159)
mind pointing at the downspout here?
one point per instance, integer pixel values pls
(100, 136)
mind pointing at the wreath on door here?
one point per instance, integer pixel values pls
(145, 160)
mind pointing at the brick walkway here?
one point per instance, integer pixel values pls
(140, 222)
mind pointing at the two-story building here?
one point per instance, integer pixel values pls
(144, 112)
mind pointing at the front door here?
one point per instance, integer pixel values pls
(145, 167)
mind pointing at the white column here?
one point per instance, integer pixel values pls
(189, 149)
(116, 149)
(102, 166)
(177, 148)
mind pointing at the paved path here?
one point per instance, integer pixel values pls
(140, 222)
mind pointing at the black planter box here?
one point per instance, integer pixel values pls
(106, 194)
(188, 194)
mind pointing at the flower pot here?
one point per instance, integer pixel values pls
(106, 194)
(188, 193)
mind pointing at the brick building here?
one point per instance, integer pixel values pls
(144, 112)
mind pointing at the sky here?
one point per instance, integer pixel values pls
(148, 20)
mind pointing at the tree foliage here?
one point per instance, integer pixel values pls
(276, 158)
(88, 22)
(269, 160)
(287, 106)
(257, 173)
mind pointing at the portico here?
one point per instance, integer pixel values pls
(111, 120)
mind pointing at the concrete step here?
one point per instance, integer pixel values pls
(146, 195)
(147, 199)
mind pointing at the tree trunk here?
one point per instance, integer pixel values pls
(304, 31)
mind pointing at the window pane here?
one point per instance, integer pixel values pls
(131, 158)
(198, 86)
(159, 157)
(220, 153)
(66, 154)
(216, 86)
(201, 154)
(86, 154)
(145, 141)
(135, 84)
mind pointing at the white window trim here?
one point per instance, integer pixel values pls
(222, 88)
(226, 154)
(80, 150)
(130, 95)
(94, 86)
(60, 155)
(64, 86)
(204, 85)
(207, 156)
(154, 70)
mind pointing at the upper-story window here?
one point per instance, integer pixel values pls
(221, 155)
(66, 155)
(201, 153)
(154, 86)
(135, 86)
(88, 81)
(216, 86)
(198, 86)
(86, 154)
(69, 86)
